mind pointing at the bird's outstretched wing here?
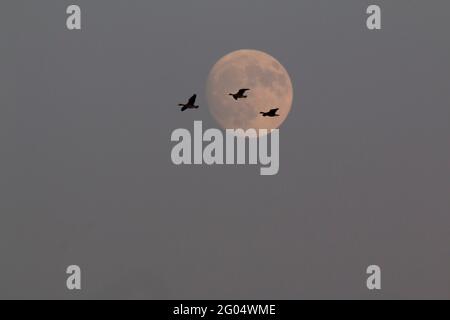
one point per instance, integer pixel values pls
(192, 99)
(274, 110)
(242, 91)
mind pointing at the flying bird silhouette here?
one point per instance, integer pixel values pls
(240, 94)
(272, 113)
(190, 104)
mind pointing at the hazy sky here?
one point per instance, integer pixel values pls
(86, 176)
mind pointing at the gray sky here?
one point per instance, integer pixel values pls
(86, 176)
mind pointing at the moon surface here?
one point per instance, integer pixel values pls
(270, 87)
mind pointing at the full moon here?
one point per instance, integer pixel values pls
(270, 87)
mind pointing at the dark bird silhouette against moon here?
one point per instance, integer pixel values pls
(272, 113)
(240, 94)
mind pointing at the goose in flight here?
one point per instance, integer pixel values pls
(272, 113)
(240, 94)
(190, 104)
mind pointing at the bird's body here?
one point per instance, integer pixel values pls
(272, 113)
(190, 104)
(240, 94)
